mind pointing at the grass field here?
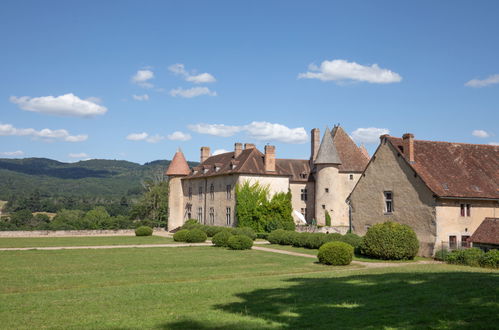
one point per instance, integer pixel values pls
(18, 242)
(314, 252)
(213, 288)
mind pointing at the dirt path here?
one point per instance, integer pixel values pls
(362, 263)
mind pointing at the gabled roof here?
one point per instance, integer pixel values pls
(250, 161)
(455, 169)
(487, 232)
(299, 169)
(327, 151)
(178, 165)
(353, 158)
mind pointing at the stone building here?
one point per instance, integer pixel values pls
(319, 184)
(442, 190)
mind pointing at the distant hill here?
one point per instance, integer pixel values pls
(90, 178)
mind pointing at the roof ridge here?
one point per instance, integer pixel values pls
(431, 141)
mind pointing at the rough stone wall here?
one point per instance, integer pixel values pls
(72, 233)
(175, 203)
(450, 222)
(296, 201)
(413, 202)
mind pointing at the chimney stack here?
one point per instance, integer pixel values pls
(205, 153)
(269, 158)
(249, 146)
(238, 148)
(408, 144)
(315, 143)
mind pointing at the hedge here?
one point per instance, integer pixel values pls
(390, 241)
(143, 231)
(240, 242)
(221, 239)
(490, 259)
(335, 253)
(181, 235)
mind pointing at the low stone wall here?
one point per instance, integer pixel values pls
(70, 233)
(314, 229)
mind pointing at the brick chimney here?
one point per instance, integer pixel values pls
(249, 146)
(408, 144)
(269, 158)
(238, 148)
(315, 143)
(205, 153)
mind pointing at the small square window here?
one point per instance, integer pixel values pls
(323, 206)
(326, 190)
(351, 176)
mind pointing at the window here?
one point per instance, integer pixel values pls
(227, 216)
(464, 241)
(303, 194)
(351, 176)
(189, 212)
(200, 214)
(452, 242)
(190, 193)
(323, 206)
(200, 192)
(388, 202)
(212, 215)
(229, 192)
(212, 191)
(304, 212)
(326, 190)
(465, 210)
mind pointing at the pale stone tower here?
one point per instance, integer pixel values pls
(178, 168)
(327, 182)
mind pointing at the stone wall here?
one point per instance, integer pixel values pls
(69, 233)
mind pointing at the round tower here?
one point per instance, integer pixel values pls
(176, 171)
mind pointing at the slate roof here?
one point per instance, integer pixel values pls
(456, 169)
(487, 232)
(178, 165)
(327, 150)
(353, 158)
(250, 161)
(299, 169)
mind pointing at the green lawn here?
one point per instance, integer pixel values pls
(214, 288)
(15, 242)
(313, 252)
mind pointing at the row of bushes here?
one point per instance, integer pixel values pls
(311, 240)
(470, 257)
(190, 236)
(234, 242)
(211, 231)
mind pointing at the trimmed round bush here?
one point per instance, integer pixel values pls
(490, 259)
(390, 241)
(240, 242)
(196, 236)
(335, 253)
(221, 238)
(191, 224)
(181, 235)
(212, 230)
(247, 231)
(143, 231)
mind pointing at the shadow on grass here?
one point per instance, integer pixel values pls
(398, 300)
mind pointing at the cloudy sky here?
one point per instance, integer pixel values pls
(135, 80)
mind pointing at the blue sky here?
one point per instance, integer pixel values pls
(219, 72)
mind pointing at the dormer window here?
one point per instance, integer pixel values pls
(303, 175)
(205, 170)
(195, 172)
(232, 166)
(217, 168)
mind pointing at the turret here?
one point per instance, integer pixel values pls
(178, 168)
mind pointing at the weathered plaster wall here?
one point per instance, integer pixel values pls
(276, 184)
(450, 222)
(73, 233)
(296, 201)
(413, 202)
(175, 203)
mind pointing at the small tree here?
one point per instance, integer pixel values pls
(328, 219)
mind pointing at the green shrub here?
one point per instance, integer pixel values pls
(221, 238)
(472, 257)
(196, 236)
(301, 239)
(328, 219)
(191, 224)
(181, 235)
(212, 230)
(390, 241)
(276, 237)
(441, 254)
(455, 257)
(262, 235)
(143, 231)
(490, 259)
(335, 253)
(352, 239)
(247, 231)
(240, 242)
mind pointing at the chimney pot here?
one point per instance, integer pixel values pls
(205, 154)
(249, 146)
(269, 159)
(238, 148)
(408, 144)
(315, 143)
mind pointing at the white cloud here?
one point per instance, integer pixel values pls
(263, 131)
(45, 134)
(78, 155)
(368, 135)
(480, 133)
(137, 136)
(192, 92)
(341, 70)
(494, 143)
(179, 136)
(490, 80)
(144, 97)
(64, 105)
(155, 138)
(12, 153)
(219, 151)
(215, 129)
(202, 78)
(142, 78)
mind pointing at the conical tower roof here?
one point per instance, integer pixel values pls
(327, 151)
(364, 151)
(178, 165)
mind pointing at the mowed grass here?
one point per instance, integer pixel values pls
(314, 252)
(24, 242)
(214, 288)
